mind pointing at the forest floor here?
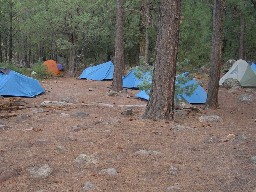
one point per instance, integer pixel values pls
(76, 137)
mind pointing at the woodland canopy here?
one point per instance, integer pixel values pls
(82, 33)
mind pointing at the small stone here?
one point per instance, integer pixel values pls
(173, 170)
(72, 138)
(178, 127)
(212, 139)
(245, 98)
(230, 137)
(231, 83)
(110, 171)
(241, 137)
(112, 93)
(2, 127)
(68, 100)
(90, 89)
(38, 110)
(145, 152)
(80, 114)
(76, 128)
(55, 104)
(88, 186)
(41, 171)
(61, 149)
(173, 189)
(210, 118)
(253, 159)
(64, 115)
(127, 111)
(85, 159)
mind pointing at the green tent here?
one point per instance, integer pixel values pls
(241, 71)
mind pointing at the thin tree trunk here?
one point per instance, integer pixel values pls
(25, 51)
(147, 23)
(216, 54)
(1, 50)
(144, 24)
(71, 60)
(72, 55)
(6, 49)
(11, 32)
(42, 52)
(161, 103)
(241, 38)
(29, 58)
(119, 47)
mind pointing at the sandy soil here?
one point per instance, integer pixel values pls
(125, 152)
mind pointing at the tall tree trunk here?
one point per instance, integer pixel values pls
(161, 103)
(241, 38)
(119, 47)
(11, 32)
(71, 60)
(1, 50)
(25, 51)
(144, 24)
(72, 55)
(6, 49)
(42, 53)
(216, 54)
(28, 64)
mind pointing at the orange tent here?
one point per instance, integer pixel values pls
(52, 67)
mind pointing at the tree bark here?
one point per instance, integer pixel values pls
(241, 38)
(6, 48)
(10, 32)
(144, 24)
(72, 55)
(119, 47)
(161, 103)
(1, 50)
(216, 54)
(71, 60)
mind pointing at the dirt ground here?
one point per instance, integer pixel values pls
(86, 141)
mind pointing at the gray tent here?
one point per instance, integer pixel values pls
(241, 71)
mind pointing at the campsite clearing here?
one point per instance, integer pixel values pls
(76, 137)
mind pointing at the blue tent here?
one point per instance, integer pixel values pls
(199, 96)
(132, 81)
(253, 66)
(142, 95)
(16, 84)
(60, 67)
(99, 72)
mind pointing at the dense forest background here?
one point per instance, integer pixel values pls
(80, 33)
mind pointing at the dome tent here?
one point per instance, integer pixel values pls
(104, 71)
(198, 96)
(18, 85)
(130, 80)
(242, 72)
(52, 67)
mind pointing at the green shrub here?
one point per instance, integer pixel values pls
(39, 71)
(24, 71)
